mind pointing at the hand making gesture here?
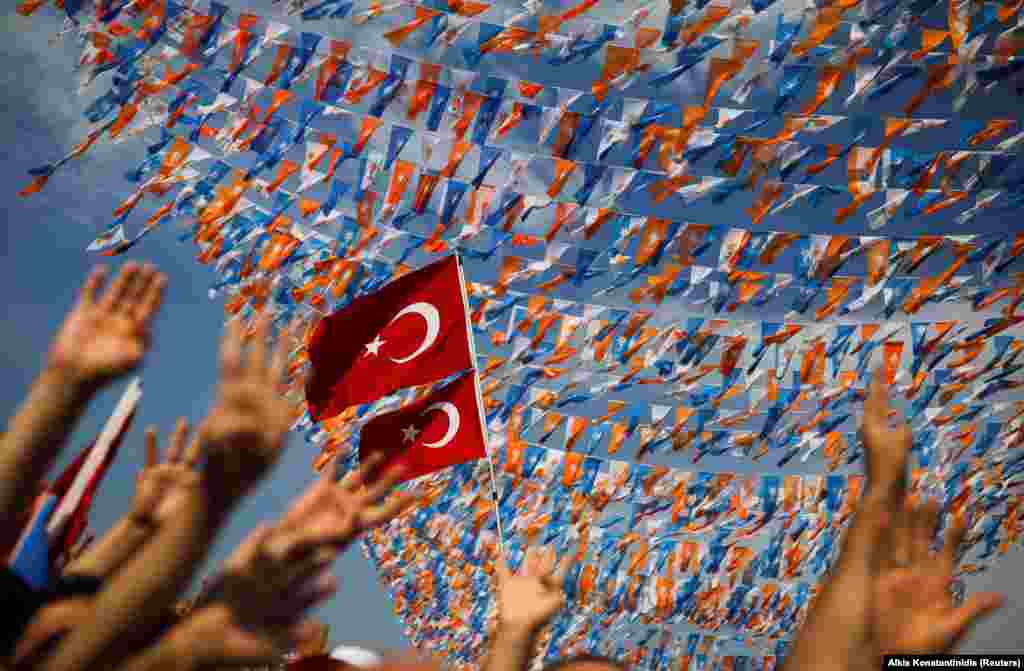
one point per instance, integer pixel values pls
(161, 486)
(530, 597)
(914, 611)
(258, 608)
(105, 336)
(244, 434)
(343, 511)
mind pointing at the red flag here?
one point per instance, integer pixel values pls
(71, 517)
(441, 430)
(411, 332)
(318, 663)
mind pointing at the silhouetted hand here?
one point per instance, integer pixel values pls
(914, 611)
(106, 336)
(531, 597)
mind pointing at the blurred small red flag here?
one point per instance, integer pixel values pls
(411, 332)
(318, 663)
(441, 430)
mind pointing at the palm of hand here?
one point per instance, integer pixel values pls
(911, 611)
(527, 600)
(106, 335)
(329, 509)
(162, 491)
(245, 433)
(98, 344)
(337, 513)
(242, 643)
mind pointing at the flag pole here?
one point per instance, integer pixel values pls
(115, 427)
(480, 406)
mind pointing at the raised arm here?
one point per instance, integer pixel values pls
(527, 600)
(255, 611)
(838, 629)
(242, 438)
(104, 337)
(154, 506)
(915, 612)
(151, 509)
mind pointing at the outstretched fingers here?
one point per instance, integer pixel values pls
(92, 286)
(149, 299)
(231, 349)
(379, 488)
(151, 447)
(355, 479)
(137, 289)
(562, 570)
(394, 506)
(876, 406)
(923, 530)
(176, 451)
(901, 534)
(974, 607)
(250, 547)
(286, 343)
(194, 453)
(955, 536)
(256, 364)
(120, 288)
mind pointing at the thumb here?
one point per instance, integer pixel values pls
(974, 608)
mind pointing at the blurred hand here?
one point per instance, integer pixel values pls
(337, 513)
(48, 625)
(914, 612)
(105, 337)
(245, 432)
(531, 597)
(886, 445)
(163, 488)
(221, 640)
(268, 585)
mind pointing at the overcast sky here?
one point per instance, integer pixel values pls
(44, 242)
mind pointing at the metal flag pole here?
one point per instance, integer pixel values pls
(480, 407)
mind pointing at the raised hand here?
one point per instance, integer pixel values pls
(245, 432)
(105, 336)
(914, 611)
(267, 586)
(886, 444)
(529, 598)
(218, 639)
(162, 487)
(337, 513)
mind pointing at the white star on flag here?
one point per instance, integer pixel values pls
(373, 347)
(409, 434)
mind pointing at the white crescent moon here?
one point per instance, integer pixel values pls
(453, 422)
(433, 319)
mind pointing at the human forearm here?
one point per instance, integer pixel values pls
(510, 649)
(113, 550)
(134, 603)
(836, 632)
(35, 436)
(186, 647)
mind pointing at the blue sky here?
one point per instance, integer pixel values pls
(44, 241)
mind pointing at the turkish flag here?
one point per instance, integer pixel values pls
(439, 431)
(411, 332)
